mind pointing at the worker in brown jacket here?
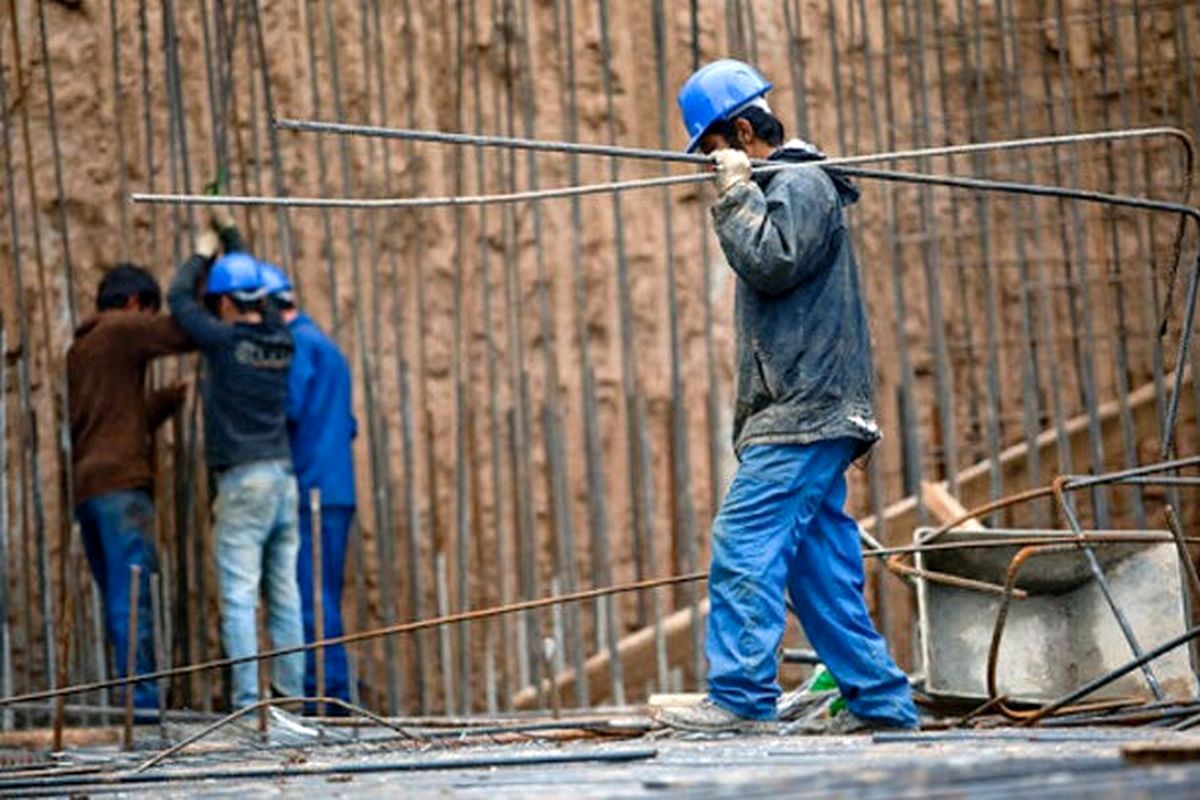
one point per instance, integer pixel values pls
(113, 419)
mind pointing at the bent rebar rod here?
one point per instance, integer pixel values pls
(974, 184)
(648, 154)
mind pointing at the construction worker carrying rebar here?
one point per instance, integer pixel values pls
(321, 428)
(803, 414)
(113, 419)
(247, 354)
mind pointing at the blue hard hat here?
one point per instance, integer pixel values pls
(274, 279)
(715, 92)
(276, 283)
(237, 274)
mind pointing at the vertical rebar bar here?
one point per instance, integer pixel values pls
(28, 430)
(380, 495)
(119, 132)
(131, 650)
(458, 370)
(318, 592)
(1078, 294)
(147, 123)
(382, 470)
(56, 150)
(445, 647)
(1022, 216)
(639, 511)
(1117, 281)
(683, 516)
(422, 405)
(519, 376)
(314, 93)
(403, 377)
(500, 582)
(557, 466)
(6, 684)
(282, 220)
(161, 659)
(1044, 307)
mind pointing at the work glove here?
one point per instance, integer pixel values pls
(207, 244)
(733, 167)
(221, 218)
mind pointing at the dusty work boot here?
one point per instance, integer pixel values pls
(708, 717)
(845, 723)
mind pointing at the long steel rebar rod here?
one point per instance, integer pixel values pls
(483, 613)
(651, 154)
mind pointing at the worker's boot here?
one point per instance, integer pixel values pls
(708, 717)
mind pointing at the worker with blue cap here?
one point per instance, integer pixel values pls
(321, 428)
(803, 413)
(247, 354)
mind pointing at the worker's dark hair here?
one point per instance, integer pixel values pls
(766, 126)
(125, 281)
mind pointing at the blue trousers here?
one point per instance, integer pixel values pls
(782, 525)
(118, 533)
(335, 534)
(257, 543)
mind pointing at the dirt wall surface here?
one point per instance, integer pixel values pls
(993, 318)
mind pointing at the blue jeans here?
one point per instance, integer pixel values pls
(257, 542)
(335, 534)
(780, 526)
(118, 533)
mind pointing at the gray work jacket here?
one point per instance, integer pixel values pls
(804, 371)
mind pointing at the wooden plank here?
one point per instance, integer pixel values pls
(944, 507)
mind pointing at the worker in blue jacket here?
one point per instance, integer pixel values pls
(321, 427)
(804, 412)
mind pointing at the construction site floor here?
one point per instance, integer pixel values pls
(1008, 762)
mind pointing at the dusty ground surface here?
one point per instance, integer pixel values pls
(1081, 762)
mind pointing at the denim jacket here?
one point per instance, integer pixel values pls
(804, 370)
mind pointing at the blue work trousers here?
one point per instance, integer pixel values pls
(258, 539)
(335, 534)
(118, 533)
(782, 525)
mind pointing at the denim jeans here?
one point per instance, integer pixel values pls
(335, 534)
(782, 525)
(118, 533)
(257, 543)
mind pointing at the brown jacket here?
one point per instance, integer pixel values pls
(113, 417)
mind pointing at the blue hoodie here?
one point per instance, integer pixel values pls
(320, 418)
